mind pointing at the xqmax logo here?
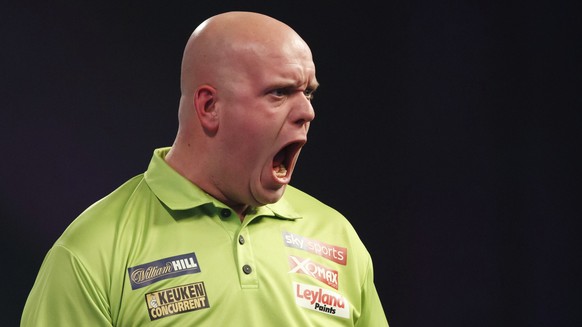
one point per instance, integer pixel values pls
(313, 269)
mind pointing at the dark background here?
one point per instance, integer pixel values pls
(446, 132)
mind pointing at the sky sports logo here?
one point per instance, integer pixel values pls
(154, 271)
(334, 253)
(320, 272)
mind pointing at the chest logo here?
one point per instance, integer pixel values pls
(322, 300)
(154, 271)
(320, 272)
(175, 300)
(334, 253)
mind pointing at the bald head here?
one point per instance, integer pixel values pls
(247, 83)
(227, 39)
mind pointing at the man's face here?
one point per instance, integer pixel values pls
(264, 112)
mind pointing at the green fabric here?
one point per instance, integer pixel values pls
(308, 266)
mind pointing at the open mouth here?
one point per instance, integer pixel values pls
(284, 160)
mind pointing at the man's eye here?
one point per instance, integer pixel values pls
(279, 92)
(309, 93)
(282, 92)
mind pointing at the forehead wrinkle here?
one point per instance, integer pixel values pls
(293, 64)
(300, 76)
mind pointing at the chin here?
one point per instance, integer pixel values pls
(269, 196)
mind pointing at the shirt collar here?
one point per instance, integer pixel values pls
(178, 193)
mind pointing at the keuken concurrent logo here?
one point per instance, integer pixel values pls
(175, 300)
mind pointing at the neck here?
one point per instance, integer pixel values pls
(185, 166)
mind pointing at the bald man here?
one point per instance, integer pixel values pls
(212, 234)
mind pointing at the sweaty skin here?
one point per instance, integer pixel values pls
(247, 83)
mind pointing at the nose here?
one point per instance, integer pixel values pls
(303, 113)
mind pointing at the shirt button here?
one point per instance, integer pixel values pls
(224, 213)
(247, 269)
(241, 240)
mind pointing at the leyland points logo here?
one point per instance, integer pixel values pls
(176, 300)
(154, 271)
(322, 300)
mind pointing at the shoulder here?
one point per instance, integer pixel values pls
(328, 232)
(97, 226)
(304, 203)
(321, 218)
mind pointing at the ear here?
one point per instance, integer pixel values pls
(205, 104)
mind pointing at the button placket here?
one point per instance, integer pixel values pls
(226, 220)
(246, 260)
(225, 213)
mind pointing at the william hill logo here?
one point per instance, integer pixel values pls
(152, 272)
(176, 300)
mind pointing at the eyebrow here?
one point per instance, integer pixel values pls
(313, 85)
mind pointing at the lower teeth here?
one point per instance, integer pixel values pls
(281, 171)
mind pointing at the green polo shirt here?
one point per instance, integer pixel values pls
(159, 251)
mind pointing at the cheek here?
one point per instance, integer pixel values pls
(250, 132)
(253, 132)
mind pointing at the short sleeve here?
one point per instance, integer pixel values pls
(372, 314)
(65, 294)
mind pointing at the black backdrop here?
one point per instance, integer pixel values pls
(446, 132)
